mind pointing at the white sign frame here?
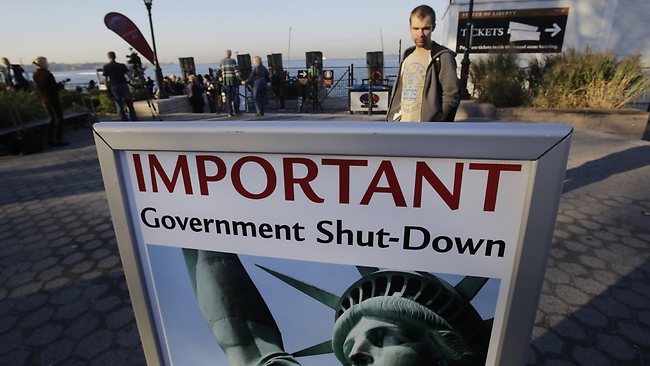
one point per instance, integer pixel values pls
(546, 145)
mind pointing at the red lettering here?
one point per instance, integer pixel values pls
(452, 200)
(344, 175)
(492, 186)
(201, 171)
(139, 174)
(181, 168)
(385, 169)
(271, 179)
(304, 183)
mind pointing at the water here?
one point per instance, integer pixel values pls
(82, 77)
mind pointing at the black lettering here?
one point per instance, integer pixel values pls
(407, 237)
(206, 224)
(168, 222)
(241, 228)
(369, 242)
(500, 243)
(156, 223)
(266, 231)
(296, 232)
(469, 245)
(381, 234)
(436, 244)
(195, 225)
(328, 234)
(340, 232)
(286, 229)
(222, 223)
(182, 223)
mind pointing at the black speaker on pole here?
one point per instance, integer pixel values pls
(187, 66)
(375, 66)
(244, 63)
(275, 62)
(314, 58)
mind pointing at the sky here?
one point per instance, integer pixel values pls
(73, 31)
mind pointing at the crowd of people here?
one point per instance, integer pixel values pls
(426, 89)
(220, 91)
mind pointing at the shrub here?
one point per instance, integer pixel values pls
(21, 106)
(587, 80)
(499, 80)
(102, 101)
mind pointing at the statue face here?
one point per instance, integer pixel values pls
(376, 342)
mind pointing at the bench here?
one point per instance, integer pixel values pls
(21, 141)
(41, 122)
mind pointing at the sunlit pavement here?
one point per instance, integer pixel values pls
(64, 300)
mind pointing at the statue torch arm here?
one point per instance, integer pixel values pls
(232, 306)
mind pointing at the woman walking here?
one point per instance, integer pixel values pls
(258, 80)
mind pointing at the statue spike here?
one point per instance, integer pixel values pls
(364, 271)
(319, 349)
(470, 286)
(489, 322)
(328, 299)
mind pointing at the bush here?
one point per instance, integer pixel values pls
(21, 106)
(102, 101)
(587, 80)
(499, 80)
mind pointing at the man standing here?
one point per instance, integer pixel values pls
(116, 74)
(427, 88)
(230, 76)
(14, 75)
(48, 91)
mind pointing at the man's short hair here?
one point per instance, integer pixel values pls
(111, 55)
(422, 12)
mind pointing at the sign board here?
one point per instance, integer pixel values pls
(522, 30)
(328, 78)
(359, 101)
(286, 237)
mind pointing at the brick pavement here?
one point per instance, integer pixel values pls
(64, 301)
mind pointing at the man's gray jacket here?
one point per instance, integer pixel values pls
(441, 94)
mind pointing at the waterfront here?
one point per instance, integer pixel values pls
(82, 77)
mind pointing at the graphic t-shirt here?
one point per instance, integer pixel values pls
(414, 73)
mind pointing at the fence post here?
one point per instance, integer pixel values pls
(370, 98)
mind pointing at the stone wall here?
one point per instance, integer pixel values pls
(174, 104)
(625, 122)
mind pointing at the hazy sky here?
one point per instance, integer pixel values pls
(73, 31)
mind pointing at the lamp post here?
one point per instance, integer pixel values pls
(464, 68)
(159, 77)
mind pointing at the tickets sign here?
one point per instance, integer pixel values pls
(521, 30)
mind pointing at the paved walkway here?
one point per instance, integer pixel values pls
(64, 301)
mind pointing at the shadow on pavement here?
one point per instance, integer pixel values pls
(605, 331)
(599, 169)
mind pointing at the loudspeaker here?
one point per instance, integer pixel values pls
(275, 62)
(187, 66)
(314, 58)
(244, 63)
(375, 66)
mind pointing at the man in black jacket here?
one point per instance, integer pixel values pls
(116, 74)
(427, 87)
(48, 90)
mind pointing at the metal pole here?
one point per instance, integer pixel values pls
(464, 69)
(161, 94)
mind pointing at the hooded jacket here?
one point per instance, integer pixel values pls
(441, 93)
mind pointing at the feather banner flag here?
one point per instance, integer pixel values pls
(126, 29)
